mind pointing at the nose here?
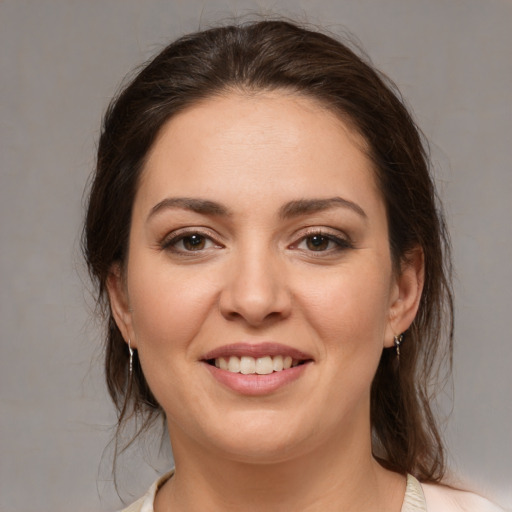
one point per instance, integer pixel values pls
(255, 290)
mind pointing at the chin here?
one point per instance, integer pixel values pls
(261, 453)
(265, 440)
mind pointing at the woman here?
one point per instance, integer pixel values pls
(263, 231)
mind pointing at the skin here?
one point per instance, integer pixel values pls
(257, 276)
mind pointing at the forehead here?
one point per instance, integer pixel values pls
(265, 142)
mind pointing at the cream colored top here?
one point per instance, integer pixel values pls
(418, 498)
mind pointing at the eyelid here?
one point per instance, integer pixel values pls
(179, 234)
(341, 239)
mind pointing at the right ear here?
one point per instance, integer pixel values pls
(120, 303)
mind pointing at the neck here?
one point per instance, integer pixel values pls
(344, 478)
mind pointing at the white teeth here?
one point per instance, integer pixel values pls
(247, 365)
(264, 365)
(277, 363)
(234, 364)
(261, 366)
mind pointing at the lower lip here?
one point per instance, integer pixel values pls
(256, 385)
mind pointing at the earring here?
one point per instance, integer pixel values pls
(130, 349)
(398, 341)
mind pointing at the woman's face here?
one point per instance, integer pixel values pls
(259, 239)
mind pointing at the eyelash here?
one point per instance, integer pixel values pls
(341, 243)
(170, 242)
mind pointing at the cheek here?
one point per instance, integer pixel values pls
(168, 309)
(348, 310)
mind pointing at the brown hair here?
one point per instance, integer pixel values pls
(269, 55)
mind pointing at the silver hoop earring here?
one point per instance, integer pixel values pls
(398, 341)
(130, 349)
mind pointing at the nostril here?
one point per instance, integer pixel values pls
(255, 296)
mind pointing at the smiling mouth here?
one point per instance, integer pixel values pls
(248, 365)
(256, 369)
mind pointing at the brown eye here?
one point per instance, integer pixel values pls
(194, 242)
(320, 242)
(188, 242)
(317, 243)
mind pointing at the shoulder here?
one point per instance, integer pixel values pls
(442, 498)
(145, 504)
(136, 506)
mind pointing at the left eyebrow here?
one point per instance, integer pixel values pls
(307, 206)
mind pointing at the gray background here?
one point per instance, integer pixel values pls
(60, 62)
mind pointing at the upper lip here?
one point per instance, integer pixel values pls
(256, 350)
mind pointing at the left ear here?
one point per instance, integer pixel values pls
(406, 294)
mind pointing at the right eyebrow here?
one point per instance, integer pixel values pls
(201, 206)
